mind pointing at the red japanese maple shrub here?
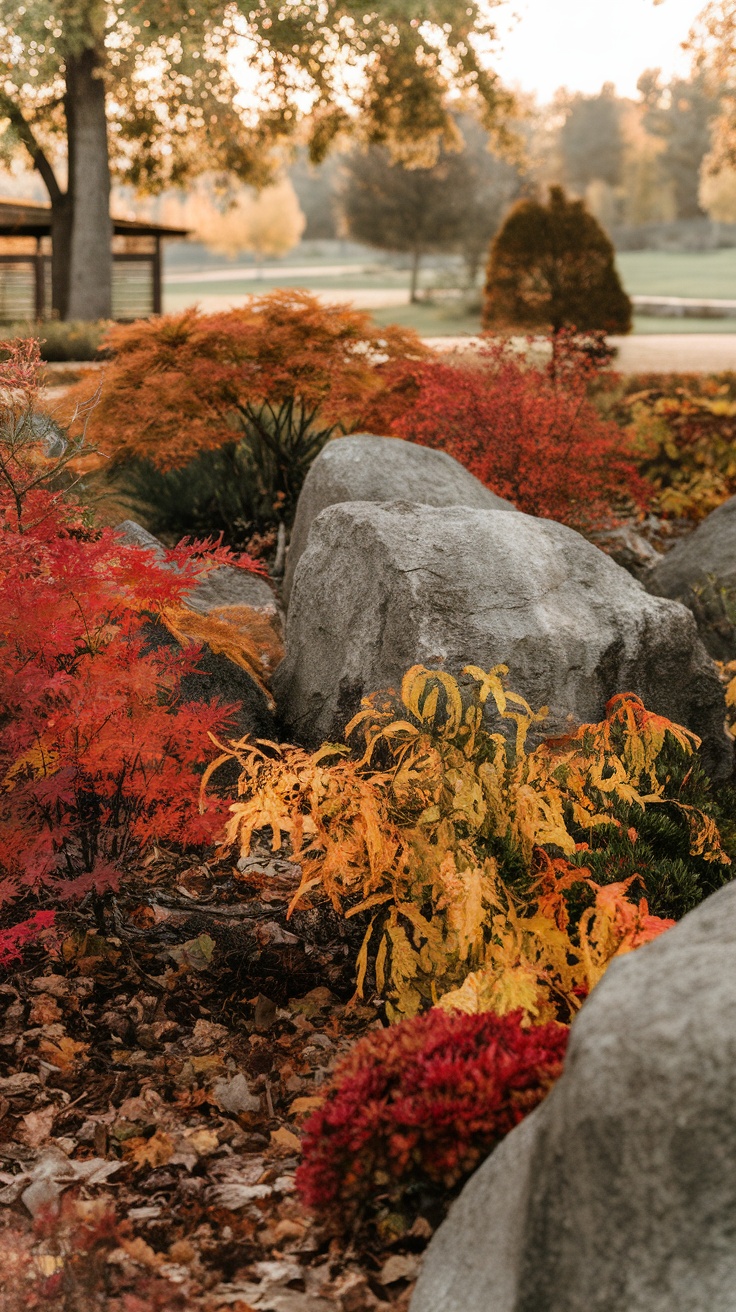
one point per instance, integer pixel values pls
(414, 1108)
(98, 756)
(529, 433)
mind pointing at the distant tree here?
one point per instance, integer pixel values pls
(552, 266)
(647, 193)
(680, 115)
(268, 222)
(485, 185)
(713, 43)
(456, 205)
(591, 142)
(718, 193)
(394, 208)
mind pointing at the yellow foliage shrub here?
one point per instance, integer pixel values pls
(457, 841)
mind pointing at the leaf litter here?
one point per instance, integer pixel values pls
(154, 1077)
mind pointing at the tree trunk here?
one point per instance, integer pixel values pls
(415, 260)
(61, 234)
(90, 247)
(61, 206)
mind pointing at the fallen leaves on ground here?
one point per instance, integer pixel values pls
(153, 1082)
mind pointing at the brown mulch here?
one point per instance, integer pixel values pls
(156, 1068)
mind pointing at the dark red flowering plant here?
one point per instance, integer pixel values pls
(413, 1109)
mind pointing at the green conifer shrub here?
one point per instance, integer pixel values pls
(552, 266)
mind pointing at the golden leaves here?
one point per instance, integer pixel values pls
(408, 828)
(242, 634)
(36, 762)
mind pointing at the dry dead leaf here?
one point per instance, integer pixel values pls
(66, 1054)
(285, 1140)
(302, 1106)
(182, 1252)
(399, 1266)
(56, 985)
(44, 1010)
(141, 1252)
(287, 1229)
(203, 1141)
(52, 1173)
(155, 1151)
(37, 1126)
(234, 1096)
(20, 1084)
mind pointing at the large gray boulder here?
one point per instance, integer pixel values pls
(216, 677)
(701, 572)
(618, 1194)
(364, 467)
(382, 587)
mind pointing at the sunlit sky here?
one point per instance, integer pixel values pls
(581, 44)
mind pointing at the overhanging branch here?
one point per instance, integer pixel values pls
(9, 109)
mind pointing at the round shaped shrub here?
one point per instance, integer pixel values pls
(414, 1108)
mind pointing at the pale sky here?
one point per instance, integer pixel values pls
(581, 44)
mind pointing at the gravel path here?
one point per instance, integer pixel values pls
(680, 352)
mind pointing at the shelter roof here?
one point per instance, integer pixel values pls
(22, 218)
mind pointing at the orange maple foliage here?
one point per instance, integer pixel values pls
(183, 384)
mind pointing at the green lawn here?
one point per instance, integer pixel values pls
(430, 320)
(711, 274)
(649, 323)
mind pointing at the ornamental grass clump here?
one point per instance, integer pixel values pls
(413, 1109)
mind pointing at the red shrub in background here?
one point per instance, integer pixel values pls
(529, 433)
(421, 1104)
(98, 757)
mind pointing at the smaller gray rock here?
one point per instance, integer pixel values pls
(701, 572)
(629, 549)
(216, 677)
(222, 587)
(364, 467)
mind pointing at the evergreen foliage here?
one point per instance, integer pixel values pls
(552, 266)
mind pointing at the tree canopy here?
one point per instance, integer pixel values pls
(714, 45)
(156, 91)
(680, 115)
(591, 143)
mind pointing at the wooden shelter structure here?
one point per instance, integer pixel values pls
(25, 264)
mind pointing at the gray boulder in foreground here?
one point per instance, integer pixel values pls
(695, 571)
(382, 587)
(618, 1194)
(364, 467)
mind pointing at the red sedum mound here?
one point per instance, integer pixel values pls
(421, 1104)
